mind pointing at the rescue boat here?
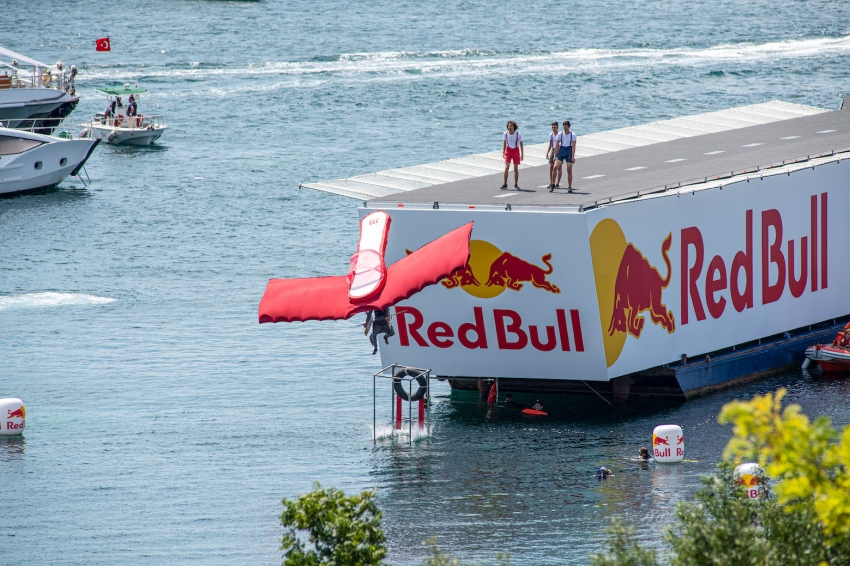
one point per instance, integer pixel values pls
(831, 358)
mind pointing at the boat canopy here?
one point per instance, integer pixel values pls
(117, 89)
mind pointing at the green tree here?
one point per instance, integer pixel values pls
(806, 524)
(810, 460)
(718, 527)
(621, 549)
(436, 557)
(339, 530)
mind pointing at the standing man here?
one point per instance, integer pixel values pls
(566, 148)
(512, 150)
(550, 154)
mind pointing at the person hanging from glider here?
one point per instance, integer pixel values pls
(380, 325)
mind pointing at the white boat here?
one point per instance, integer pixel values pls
(33, 95)
(31, 162)
(114, 126)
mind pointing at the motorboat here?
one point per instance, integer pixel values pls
(33, 95)
(31, 162)
(114, 125)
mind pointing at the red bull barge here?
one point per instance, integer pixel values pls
(692, 254)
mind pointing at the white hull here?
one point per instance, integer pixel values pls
(20, 106)
(126, 136)
(43, 166)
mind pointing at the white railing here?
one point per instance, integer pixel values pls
(44, 126)
(18, 77)
(121, 121)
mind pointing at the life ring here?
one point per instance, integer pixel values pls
(118, 120)
(399, 388)
(139, 120)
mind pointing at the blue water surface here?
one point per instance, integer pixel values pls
(165, 425)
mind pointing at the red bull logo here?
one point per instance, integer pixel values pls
(628, 287)
(499, 270)
(658, 440)
(20, 413)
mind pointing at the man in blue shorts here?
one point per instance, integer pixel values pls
(565, 152)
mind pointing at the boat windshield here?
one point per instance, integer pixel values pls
(10, 145)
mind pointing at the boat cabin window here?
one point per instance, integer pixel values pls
(10, 145)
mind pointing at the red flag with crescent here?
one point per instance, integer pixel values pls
(102, 44)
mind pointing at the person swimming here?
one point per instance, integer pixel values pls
(603, 473)
(644, 454)
(509, 400)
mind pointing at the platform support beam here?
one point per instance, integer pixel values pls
(483, 388)
(622, 388)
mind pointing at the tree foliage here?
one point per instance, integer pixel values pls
(339, 529)
(621, 549)
(810, 460)
(806, 524)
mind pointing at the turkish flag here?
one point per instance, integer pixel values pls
(102, 44)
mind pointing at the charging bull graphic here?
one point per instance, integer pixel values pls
(19, 413)
(499, 270)
(638, 289)
(627, 286)
(511, 272)
(460, 278)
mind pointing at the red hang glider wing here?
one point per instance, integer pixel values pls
(314, 298)
(426, 266)
(326, 298)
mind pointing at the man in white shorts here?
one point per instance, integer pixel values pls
(566, 152)
(550, 154)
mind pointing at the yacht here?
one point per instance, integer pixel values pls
(32, 162)
(34, 96)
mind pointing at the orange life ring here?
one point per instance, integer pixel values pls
(118, 120)
(139, 120)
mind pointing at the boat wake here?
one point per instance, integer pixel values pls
(471, 62)
(49, 299)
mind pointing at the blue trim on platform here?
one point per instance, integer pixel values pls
(751, 360)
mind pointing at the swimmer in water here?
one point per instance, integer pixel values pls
(643, 454)
(603, 473)
(509, 400)
(537, 406)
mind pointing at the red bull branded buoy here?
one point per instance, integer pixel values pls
(668, 444)
(12, 416)
(753, 478)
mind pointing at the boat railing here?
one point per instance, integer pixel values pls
(39, 77)
(36, 125)
(121, 121)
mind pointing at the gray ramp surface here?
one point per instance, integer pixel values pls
(620, 173)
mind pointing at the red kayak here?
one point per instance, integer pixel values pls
(533, 412)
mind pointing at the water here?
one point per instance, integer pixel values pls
(165, 424)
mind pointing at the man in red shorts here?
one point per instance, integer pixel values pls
(512, 150)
